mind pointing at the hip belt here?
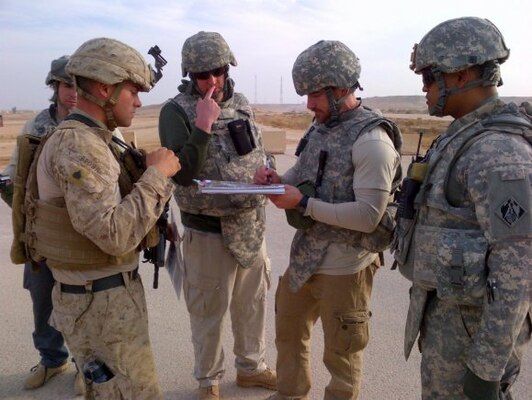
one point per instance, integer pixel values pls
(98, 285)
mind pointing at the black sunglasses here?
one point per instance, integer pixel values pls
(428, 77)
(217, 72)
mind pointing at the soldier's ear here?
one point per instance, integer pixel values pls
(103, 90)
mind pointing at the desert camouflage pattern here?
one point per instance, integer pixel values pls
(328, 63)
(111, 326)
(310, 245)
(58, 71)
(471, 245)
(110, 61)
(458, 44)
(242, 216)
(205, 51)
(90, 188)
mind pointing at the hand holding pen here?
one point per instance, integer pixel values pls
(268, 171)
(266, 175)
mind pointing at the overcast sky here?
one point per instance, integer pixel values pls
(265, 36)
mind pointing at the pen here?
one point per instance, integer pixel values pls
(268, 166)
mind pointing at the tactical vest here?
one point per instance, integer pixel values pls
(309, 245)
(443, 247)
(49, 234)
(242, 216)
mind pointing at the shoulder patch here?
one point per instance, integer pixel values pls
(510, 211)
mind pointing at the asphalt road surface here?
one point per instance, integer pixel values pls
(386, 374)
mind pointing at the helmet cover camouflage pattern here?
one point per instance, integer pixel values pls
(205, 51)
(328, 63)
(58, 72)
(458, 44)
(110, 61)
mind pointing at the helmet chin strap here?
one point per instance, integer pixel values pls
(491, 78)
(334, 104)
(106, 105)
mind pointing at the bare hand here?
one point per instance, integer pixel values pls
(207, 111)
(164, 160)
(290, 199)
(265, 176)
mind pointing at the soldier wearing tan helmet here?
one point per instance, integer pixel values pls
(466, 244)
(336, 196)
(39, 280)
(88, 216)
(212, 129)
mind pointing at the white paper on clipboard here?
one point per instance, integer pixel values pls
(231, 187)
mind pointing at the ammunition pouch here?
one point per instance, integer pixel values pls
(452, 261)
(295, 217)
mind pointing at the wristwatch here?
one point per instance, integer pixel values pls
(303, 202)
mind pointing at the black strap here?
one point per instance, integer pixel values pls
(98, 285)
(83, 119)
(101, 284)
(321, 167)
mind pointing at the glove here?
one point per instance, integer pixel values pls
(476, 388)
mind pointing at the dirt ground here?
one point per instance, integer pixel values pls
(294, 123)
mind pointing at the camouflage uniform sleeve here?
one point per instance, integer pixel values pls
(498, 179)
(87, 173)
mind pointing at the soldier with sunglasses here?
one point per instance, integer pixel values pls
(226, 270)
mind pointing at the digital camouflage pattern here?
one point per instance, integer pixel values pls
(58, 72)
(43, 123)
(328, 63)
(111, 326)
(205, 51)
(309, 245)
(110, 61)
(446, 342)
(458, 44)
(242, 216)
(472, 244)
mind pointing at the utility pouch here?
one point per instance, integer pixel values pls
(296, 218)
(240, 132)
(455, 261)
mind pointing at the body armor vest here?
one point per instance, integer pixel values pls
(443, 247)
(242, 216)
(309, 245)
(49, 233)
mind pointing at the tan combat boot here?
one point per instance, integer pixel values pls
(209, 393)
(266, 379)
(40, 374)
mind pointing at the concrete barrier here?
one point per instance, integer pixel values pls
(274, 141)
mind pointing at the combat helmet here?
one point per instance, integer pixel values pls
(205, 51)
(57, 72)
(458, 44)
(111, 62)
(324, 65)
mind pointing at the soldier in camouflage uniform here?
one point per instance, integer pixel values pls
(467, 245)
(351, 161)
(88, 218)
(226, 269)
(38, 279)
